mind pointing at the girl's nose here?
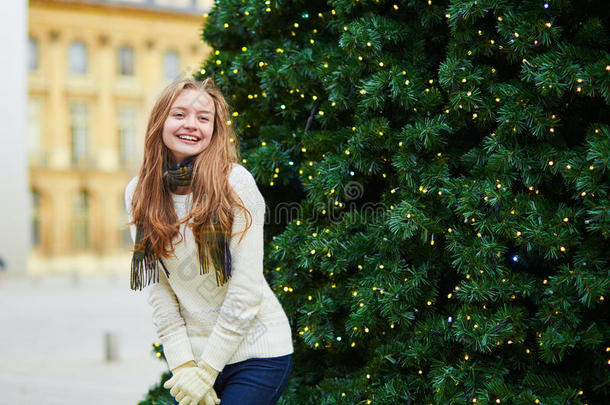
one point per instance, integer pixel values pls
(190, 121)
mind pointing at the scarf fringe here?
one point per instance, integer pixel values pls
(143, 272)
(223, 269)
(226, 273)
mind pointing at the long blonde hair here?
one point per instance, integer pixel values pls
(213, 197)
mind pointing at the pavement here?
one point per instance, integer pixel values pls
(52, 345)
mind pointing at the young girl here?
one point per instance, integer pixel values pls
(197, 223)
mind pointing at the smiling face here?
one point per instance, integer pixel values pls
(189, 126)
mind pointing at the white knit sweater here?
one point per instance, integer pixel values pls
(198, 320)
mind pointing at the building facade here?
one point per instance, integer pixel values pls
(94, 70)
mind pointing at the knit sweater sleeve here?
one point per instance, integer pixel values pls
(245, 287)
(168, 321)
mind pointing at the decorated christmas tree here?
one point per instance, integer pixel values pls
(436, 174)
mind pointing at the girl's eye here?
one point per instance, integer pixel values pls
(203, 118)
(178, 115)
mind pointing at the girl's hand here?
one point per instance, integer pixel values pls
(190, 384)
(210, 398)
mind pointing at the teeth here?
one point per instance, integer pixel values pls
(188, 138)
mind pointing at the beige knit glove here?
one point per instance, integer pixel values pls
(210, 398)
(192, 384)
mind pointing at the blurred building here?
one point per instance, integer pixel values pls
(95, 68)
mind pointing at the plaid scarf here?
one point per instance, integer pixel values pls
(212, 243)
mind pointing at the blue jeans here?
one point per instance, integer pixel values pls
(257, 381)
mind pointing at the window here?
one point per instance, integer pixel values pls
(126, 61)
(33, 54)
(171, 64)
(77, 54)
(34, 140)
(127, 136)
(79, 126)
(80, 220)
(35, 218)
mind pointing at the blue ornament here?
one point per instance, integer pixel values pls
(515, 258)
(305, 15)
(546, 5)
